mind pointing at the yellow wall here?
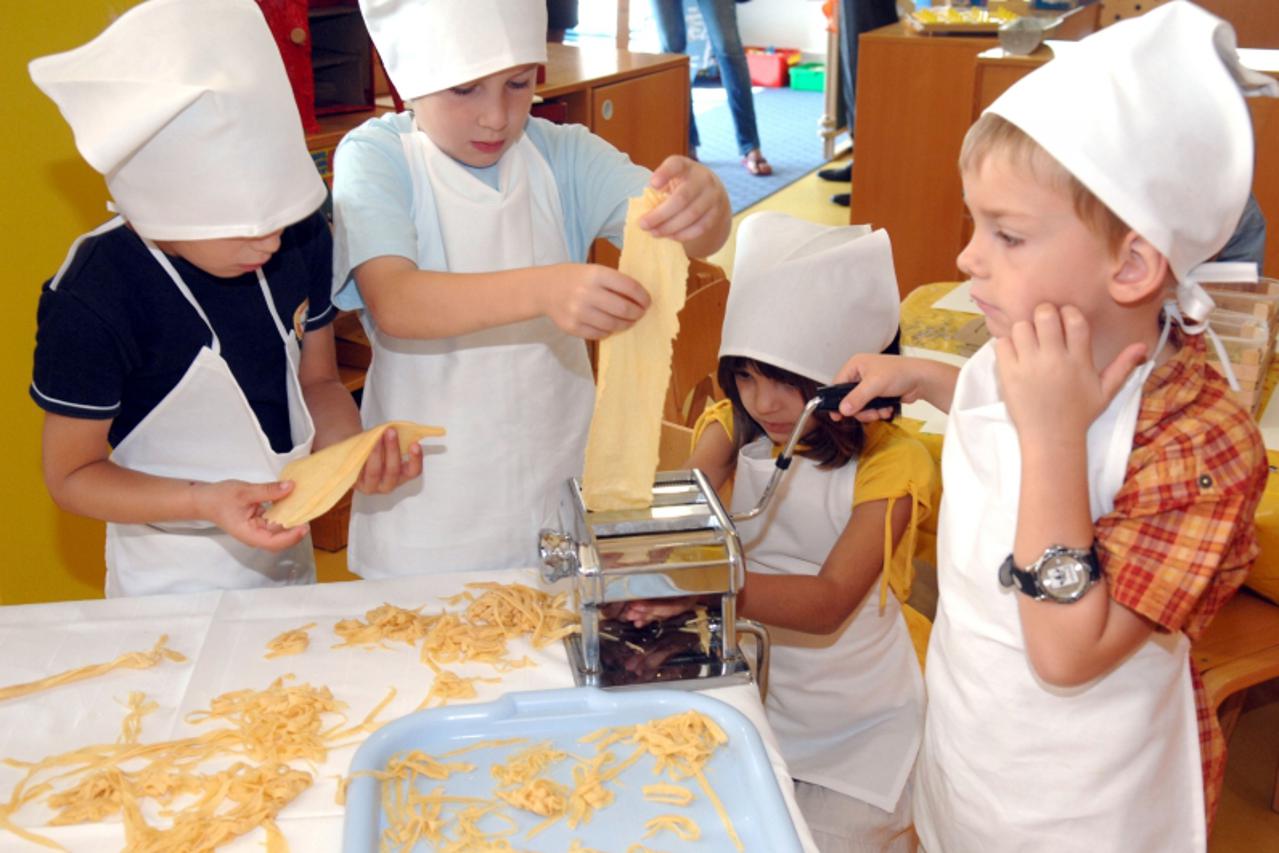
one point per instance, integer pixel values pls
(48, 196)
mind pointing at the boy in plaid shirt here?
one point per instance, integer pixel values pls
(1100, 480)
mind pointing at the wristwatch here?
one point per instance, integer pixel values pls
(1060, 574)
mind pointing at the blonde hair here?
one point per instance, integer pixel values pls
(992, 134)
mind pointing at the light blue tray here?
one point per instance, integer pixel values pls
(739, 772)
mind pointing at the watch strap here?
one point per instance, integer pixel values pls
(1027, 582)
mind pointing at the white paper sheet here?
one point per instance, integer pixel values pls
(224, 635)
(933, 418)
(959, 299)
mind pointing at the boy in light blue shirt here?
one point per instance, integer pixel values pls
(463, 228)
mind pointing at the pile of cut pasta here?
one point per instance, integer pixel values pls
(418, 807)
(234, 774)
(251, 736)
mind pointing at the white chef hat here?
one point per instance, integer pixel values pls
(430, 45)
(185, 108)
(805, 296)
(1148, 115)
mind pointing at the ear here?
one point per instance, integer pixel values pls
(1140, 271)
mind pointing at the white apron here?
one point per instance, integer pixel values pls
(205, 429)
(1010, 763)
(847, 707)
(516, 399)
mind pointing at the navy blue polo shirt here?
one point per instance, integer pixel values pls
(115, 335)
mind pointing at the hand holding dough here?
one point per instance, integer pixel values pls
(322, 478)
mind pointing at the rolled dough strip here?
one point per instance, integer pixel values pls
(322, 478)
(634, 370)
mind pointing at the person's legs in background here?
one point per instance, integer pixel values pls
(855, 18)
(720, 17)
(672, 34)
(561, 15)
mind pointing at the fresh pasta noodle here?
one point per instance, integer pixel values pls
(671, 795)
(386, 622)
(448, 686)
(700, 625)
(522, 610)
(254, 734)
(540, 796)
(682, 826)
(131, 725)
(680, 745)
(130, 660)
(527, 763)
(291, 642)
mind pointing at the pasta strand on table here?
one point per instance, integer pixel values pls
(259, 731)
(129, 660)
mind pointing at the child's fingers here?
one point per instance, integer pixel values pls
(271, 537)
(682, 216)
(259, 493)
(386, 475)
(1116, 373)
(630, 290)
(672, 167)
(611, 304)
(412, 468)
(1078, 335)
(1048, 322)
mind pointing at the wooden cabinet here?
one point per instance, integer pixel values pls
(639, 102)
(641, 116)
(914, 104)
(917, 96)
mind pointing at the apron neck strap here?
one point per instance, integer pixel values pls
(163, 260)
(1172, 314)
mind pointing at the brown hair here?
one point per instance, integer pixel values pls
(827, 443)
(993, 134)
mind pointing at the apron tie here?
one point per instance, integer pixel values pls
(1191, 307)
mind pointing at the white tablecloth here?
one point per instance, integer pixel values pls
(224, 635)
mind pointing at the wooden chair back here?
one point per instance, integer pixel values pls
(695, 355)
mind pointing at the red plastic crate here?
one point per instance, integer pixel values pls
(770, 66)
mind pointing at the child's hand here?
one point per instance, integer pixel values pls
(593, 301)
(236, 507)
(1047, 376)
(876, 375)
(640, 612)
(696, 204)
(385, 469)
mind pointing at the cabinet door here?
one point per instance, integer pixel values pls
(645, 117)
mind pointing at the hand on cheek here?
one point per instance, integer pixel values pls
(1047, 377)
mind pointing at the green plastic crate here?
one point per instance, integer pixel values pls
(809, 76)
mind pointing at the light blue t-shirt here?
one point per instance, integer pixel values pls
(373, 192)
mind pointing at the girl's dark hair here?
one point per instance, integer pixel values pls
(828, 443)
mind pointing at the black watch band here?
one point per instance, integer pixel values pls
(1010, 575)
(1027, 580)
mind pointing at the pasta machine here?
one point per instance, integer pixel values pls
(683, 545)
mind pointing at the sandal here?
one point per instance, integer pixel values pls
(756, 164)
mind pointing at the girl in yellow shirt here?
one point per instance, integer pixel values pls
(845, 692)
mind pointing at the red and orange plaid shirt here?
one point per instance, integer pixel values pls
(1181, 537)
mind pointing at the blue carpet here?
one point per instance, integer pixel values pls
(787, 120)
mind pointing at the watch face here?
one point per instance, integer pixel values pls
(1063, 578)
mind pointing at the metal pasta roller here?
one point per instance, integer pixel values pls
(683, 544)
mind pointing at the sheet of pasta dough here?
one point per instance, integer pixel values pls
(634, 370)
(321, 479)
